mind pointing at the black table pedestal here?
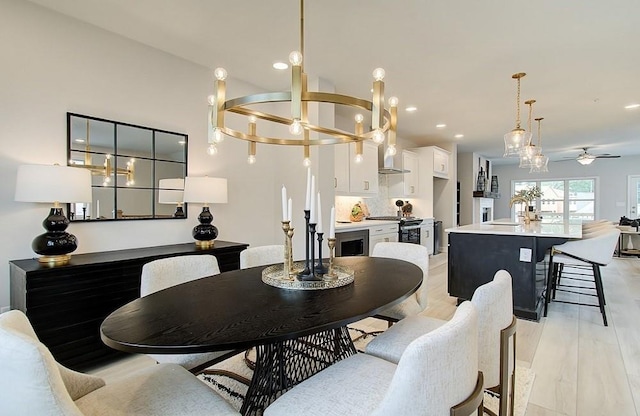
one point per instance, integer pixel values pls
(282, 365)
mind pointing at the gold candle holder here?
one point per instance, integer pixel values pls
(331, 275)
(286, 226)
(289, 245)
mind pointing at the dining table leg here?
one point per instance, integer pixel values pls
(282, 365)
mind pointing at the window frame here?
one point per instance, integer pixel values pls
(566, 200)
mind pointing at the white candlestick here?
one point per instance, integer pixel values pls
(332, 225)
(307, 202)
(289, 210)
(98, 208)
(284, 204)
(319, 227)
(312, 204)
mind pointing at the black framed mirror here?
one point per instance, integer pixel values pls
(129, 167)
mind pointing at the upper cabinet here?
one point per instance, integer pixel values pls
(406, 184)
(353, 178)
(440, 163)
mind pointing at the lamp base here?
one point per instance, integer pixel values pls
(179, 212)
(204, 233)
(55, 245)
(53, 261)
(205, 244)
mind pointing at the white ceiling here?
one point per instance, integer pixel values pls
(452, 59)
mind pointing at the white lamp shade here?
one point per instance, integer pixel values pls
(205, 190)
(53, 183)
(171, 191)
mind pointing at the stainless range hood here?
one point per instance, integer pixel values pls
(388, 167)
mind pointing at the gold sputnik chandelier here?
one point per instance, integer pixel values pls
(383, 121)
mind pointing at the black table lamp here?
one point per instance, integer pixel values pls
(205, 190)
(53, 184)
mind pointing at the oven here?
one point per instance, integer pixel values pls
(409, 231)
(408, 228)
(352, 243)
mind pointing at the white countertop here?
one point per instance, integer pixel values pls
(534, 228)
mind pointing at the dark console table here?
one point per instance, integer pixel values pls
(67, 304)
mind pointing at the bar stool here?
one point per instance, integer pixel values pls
(592, 252)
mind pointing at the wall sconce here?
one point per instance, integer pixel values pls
(205, 190)
(53, 184)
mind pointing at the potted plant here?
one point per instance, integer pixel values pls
(526, 196)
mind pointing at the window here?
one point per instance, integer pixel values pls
(562, 199)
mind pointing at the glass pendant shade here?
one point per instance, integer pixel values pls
(526, 156)
(514, 141)
(539, 164)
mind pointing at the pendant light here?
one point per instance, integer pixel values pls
(516, 138)
(540, 161)
(529, 149)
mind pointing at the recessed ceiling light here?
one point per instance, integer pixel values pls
(630, 106)
(411, 109)
(79, 140)
(441, 126)
(280, 65)
(459, 136)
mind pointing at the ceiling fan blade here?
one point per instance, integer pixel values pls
(606, 156)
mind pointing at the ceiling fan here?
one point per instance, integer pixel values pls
(586, 158)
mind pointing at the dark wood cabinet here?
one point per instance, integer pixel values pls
(67, 304)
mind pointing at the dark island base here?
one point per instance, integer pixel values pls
(530, 315)
(475, 258)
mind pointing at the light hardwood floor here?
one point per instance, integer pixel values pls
(581, 367)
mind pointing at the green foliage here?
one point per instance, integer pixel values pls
(528, 194)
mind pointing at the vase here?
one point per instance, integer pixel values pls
(494, 184)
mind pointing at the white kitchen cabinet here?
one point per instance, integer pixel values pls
(405, 185)
(382, 233)
(440, 163)
(426, 234)
(356, 178)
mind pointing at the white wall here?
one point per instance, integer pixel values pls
(612, 182)
(53, 64)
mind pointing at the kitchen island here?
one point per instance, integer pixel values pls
(478, 251)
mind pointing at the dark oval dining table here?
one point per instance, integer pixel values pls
(236, 310)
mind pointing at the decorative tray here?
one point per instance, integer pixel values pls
(274, 276)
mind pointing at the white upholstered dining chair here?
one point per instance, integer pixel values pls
(496, 326)
(413, 253)
(33, 383)
(437, 372)
(163, 273)
(261, 255)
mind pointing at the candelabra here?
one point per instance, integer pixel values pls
(288, 250)
(319, 267)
